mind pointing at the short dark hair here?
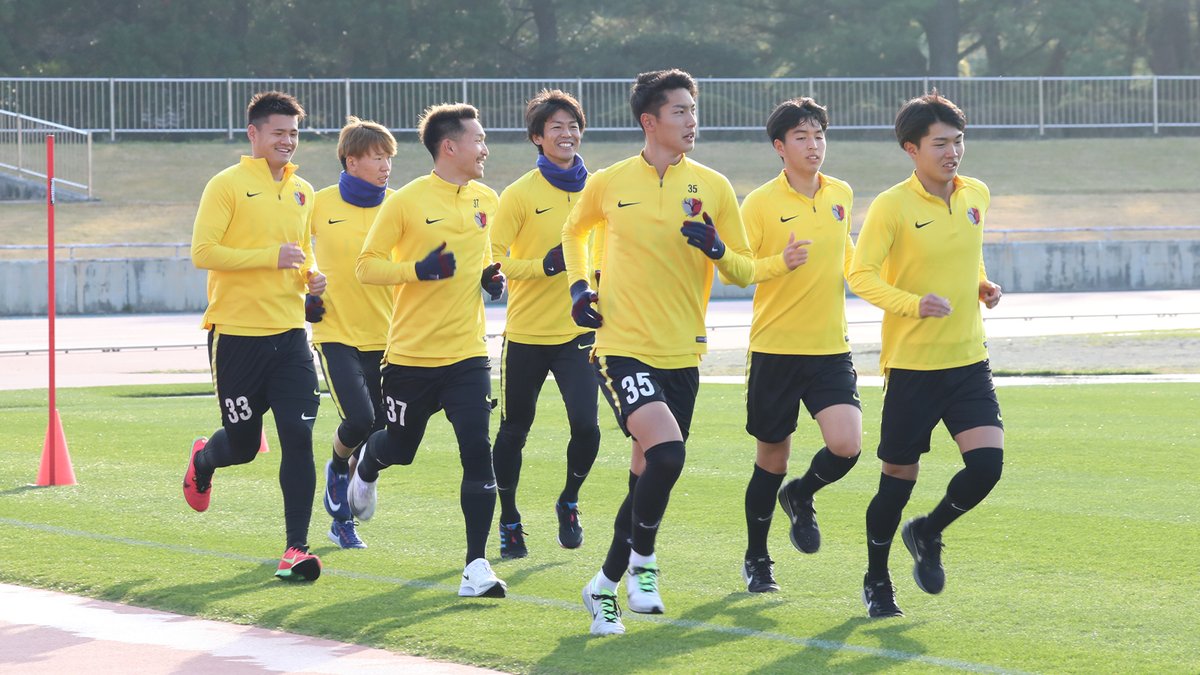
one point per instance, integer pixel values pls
(920, 113)
(443, 121)
(789, 114)
(543, 106)
(267, 103)
(649, 93)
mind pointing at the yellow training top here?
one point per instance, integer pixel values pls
(245, 215)
(528, 225)
(804, 311)
(911, 245)
(654, 286)
(438, 322)
(356, 314)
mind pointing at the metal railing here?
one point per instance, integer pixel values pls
(23, 151)
(182, 249)
(216, 105)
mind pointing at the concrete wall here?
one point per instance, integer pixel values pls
(145, 285)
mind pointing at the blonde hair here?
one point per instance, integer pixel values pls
(360, 137)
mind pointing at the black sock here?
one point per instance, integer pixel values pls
(760, 508)
(341, 465)
(581, 454)
(824, 469)
(506, 458)
(617, 560)
(477, 498)
(664, 464)
(883, 517)
(967, 488)
(368, 467)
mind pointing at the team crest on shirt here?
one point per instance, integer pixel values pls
(692, 206)
(973, 215)
(299, 197)
(839, 212)
(481, 219)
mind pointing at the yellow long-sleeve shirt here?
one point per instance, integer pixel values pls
(439, 322)
(245, 215)
(913, 244)
(356, 314)
(529, 224)
(655, 287)
(803, 311)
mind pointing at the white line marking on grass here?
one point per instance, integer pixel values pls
(827, 645)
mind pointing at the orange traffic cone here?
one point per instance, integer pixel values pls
(262, 446)
(56, 461)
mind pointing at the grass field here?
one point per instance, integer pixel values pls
(148, 191)
(1082, 560)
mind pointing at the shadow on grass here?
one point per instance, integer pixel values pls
(22, 489)
(657, 643)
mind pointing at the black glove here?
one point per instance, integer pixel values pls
(704, 237)
(314, 308)
(492, 281)
(553, 262)
(436, 265)
(582, 310)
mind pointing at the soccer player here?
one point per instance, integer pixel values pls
(649, 315)
(798, 341)
(253, 235)
(436, 358)
(920, 259)
(539, 335)
(351, 333)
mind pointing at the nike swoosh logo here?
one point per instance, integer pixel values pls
(330, 504)
(306, 418)
(490, 486)
(253, 194)
(920, 225)
(621, 204)
(578, 476)
(435, 220)
(541, 211)
(335, 222)
(880, 543)
(763, 519)
(784, 220)
(584, 346)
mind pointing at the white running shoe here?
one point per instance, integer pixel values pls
(361, 496)
(641, 587)
(606, 613)
(478, 580)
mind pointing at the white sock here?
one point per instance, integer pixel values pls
(601, 582)
(638, 560)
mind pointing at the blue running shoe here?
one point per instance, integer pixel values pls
(342, 533)
(512, 541)
(336, 487)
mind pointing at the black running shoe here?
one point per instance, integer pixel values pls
(879, 595)
(570, 532)
(805, 534)
(927, 556)
(512, 541)
(758, 573)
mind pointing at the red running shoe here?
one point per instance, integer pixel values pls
(299, 565)
(196, 492)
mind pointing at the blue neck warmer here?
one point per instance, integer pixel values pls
(359, 192)
(568, 180)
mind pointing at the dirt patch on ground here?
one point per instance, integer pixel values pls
(1156, 352)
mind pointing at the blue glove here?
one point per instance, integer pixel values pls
(553, 262)
(704, 237)
(314, 308)
(582, 311)
(492, 281)
(436, 265)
